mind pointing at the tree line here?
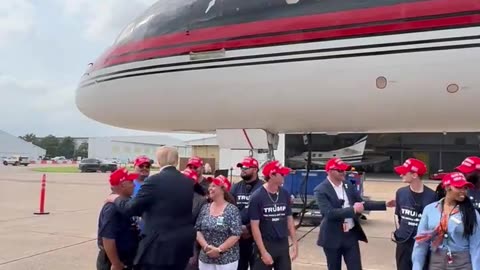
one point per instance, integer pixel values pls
(58, 146)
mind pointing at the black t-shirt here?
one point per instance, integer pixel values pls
(272, 210)
(409, 208)
(113, 225)
(242, 191)
(204, 184)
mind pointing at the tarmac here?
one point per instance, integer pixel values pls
(66, 237)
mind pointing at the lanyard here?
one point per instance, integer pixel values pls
(445, 230)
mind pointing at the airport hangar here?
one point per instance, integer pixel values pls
(437, 150)
(11, 145)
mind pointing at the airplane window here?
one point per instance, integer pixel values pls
(163, 17)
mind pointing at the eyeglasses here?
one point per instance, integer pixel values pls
(144, 166)
(245, 168)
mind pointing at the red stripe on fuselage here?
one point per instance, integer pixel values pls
(235, 44)
(220, 37)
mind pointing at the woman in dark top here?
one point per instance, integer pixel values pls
(219, 228)
(199, 195)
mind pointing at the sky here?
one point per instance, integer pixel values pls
(45, 46)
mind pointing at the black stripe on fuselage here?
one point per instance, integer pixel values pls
(271, 55)
(280, 61)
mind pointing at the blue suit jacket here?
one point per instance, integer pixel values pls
(333, 215)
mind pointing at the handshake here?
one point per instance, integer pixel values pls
(358, 207)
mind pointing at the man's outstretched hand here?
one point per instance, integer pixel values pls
(391, 203)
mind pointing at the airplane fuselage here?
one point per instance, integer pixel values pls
(317, 66)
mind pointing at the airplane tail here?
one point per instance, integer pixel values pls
(354, 150)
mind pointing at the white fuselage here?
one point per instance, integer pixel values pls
(325, 91)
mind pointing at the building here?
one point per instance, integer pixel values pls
(11, 145)
(127, 148)
(230, 157)
(440, 151)
(205, 148)
(224, 158)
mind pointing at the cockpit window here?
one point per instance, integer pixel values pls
(164, 17)
(177, 16)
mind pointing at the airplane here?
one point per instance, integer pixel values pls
(354, 154)
(291, 66)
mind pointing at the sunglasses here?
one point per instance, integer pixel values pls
(144, 166)
(246, 168)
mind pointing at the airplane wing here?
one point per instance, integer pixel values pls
(368, 160)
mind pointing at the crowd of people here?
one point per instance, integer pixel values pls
(435, 229)
(181, 220)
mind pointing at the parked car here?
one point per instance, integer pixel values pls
(59, 159)
(94, 165)
(16, 161)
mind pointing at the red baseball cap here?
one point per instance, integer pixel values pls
(221, 181)
(121, 175)
(195, 162)
(275, 167)
(142, 160)
(249, 162)
(191, 174)
(336, 164)
(469, 165)
(457, 180)
(411, 165)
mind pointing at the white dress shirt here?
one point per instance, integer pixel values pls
(342, 195)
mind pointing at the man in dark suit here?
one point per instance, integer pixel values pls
(165, 203)
(341, 205)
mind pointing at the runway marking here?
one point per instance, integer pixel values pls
(47, 251)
